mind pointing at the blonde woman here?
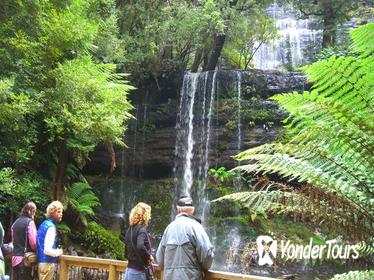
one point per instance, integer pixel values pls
(48, 252)
(138, 248)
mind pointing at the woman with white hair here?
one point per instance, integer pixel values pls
(47, 241)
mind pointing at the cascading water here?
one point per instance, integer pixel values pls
(299, 40)
(203, 132)
(233, 242)
(195, 130)
(184, 127)
(134, 147)
(205, 162)
(193, 137)
(145, 111)
(239, 81)
(209, 130)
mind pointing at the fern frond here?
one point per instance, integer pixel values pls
(260, 202)
(84, 209)
(363, 39)
(310, 204)
(308, 164)
(355, 275)
(330, 130)
(332, 81)
(82, 199)
(366, 248)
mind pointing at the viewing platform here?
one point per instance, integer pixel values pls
(74, 268)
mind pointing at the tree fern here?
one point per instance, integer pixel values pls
(329, 140)
(82, 199)
(308, 204)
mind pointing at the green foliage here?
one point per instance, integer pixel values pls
(329, 133)
(108, 46)
(333, 14)
(222, 181)
(332, 51)
(101, 241)
(60, 96)
(260, 202)
(18, 189)
(353, 275)
(17, 135)
(246, 36)
(38, 35)
(57, 100)
(161, 36)
(222, 175)
(94, 104)
(366, 248)
(253, 112)
(307, 204)
(172, 35)
(82, 199)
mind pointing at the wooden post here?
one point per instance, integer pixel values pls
(64, 270)
(113, 275)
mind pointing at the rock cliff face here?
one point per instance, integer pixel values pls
(151, 137)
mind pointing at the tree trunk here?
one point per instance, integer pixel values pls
(219, 41)
(60, 175)
(167, 52)
(112, 154)
(197, 61)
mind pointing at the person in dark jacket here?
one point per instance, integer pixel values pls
(24, 240)
(138, 248)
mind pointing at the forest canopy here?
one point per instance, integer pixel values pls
(68, 69)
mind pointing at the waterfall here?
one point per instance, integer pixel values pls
(299, 40)
(193, 137)
(134, 147)
(205, 201)
(184, 139)
(144, 128)
(188, 175)
(233, 243)
(239, 86)
(201, 124)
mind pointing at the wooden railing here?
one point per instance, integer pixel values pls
(115, 268)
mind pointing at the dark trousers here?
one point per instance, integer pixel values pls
(20, 272)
